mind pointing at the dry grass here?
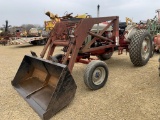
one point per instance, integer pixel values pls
(131, 93)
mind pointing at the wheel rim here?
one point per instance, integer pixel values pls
(98, 75)
(145, 50)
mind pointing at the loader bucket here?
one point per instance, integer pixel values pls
(46, 86)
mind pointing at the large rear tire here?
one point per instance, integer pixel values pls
(96, 74)
(140, 48)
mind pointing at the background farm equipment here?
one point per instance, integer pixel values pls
(34, 32)
(11, 36)
(152, 26)
(5, 35)
(48, 86)
(54, 18)
(30, 40)
(33, 37)
(155, 29)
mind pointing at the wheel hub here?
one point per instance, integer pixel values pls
(145, 48)
(98, 75)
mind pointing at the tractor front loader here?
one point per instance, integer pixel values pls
(47, 84)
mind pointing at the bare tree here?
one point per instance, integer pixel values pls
(27, 27)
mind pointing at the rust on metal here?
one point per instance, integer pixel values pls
(74, 40)
(48, 86)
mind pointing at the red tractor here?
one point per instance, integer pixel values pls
(47, 84)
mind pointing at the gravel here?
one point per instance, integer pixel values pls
(131, 93)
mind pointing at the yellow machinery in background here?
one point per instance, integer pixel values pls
(54, 18)
(129, 21)
(49, 25)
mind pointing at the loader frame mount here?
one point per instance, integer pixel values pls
(74, 40)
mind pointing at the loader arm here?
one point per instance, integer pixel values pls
(48, 86)
(76, 39)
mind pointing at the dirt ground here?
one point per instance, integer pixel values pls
(131, 93)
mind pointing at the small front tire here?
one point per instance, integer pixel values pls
(96, 74)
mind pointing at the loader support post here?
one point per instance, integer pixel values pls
(45, 48)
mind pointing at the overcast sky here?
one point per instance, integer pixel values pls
(19, 12)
